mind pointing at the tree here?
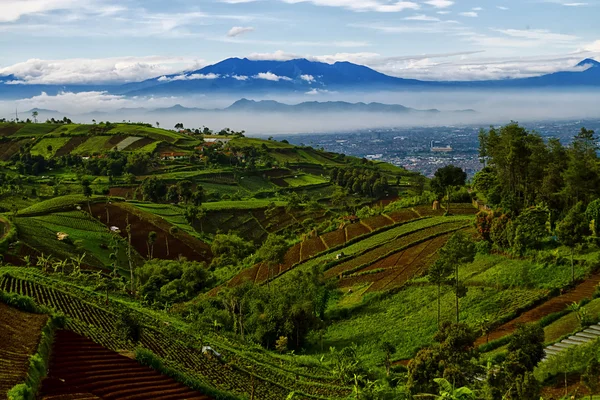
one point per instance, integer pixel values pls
(129, 256)
(450, 358)
(449, 392)
(35, 115)
(572, 230)
(591, 377)
(439, 274)
(592, 214)
(446, 179)
(388, 349)
(87, 192)
(459, 250)
(179, 125)
(150, 243)
(272, 252)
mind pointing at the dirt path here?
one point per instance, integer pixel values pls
(556, 304)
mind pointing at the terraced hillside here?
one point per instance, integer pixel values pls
(91, 317)
(80, 366)
(20, 334)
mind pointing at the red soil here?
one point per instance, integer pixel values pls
(377, 222)
(355, 230)
(71, 145)
(184, 244)
(20, 334)
(582, 291)
(79, 365)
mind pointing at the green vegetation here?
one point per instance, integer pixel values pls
(283, 261)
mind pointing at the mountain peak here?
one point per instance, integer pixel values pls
(589, 61)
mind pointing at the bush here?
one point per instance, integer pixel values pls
(483, 247)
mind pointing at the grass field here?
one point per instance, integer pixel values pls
(305, 180)
(41, 147)
(93, 145)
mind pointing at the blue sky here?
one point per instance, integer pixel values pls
(66, 41)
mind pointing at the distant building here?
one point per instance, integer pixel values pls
(439, 149)
(217, 140)
(173, 155)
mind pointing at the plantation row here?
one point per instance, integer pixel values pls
(309, 248)
(183, 351)
(376, 240)
(79, 365)
(20, 335)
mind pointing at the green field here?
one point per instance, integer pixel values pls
(41, 147)
(93, 145)
(305, 180)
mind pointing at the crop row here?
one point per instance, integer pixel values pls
(91, 320)
(401, 243)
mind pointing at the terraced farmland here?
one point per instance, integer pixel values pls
(78, 365)
(94, 319)
(20, 335)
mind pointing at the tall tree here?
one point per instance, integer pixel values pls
(582, 176)
(460, 250)
(446, 179)
(439, 274)
(572, 230)
(591, 377)
(150, 243)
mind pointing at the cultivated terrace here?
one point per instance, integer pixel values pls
(145, 263)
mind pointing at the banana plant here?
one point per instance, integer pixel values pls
(449, 392)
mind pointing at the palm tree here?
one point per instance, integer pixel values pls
(76, 263)
(150, 243)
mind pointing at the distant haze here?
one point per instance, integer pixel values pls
(492, 107)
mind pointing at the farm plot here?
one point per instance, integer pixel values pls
(79, 365)
(9, 149)
(93, 145)
(403, 215)
(377, 222)
(35, 130)
(378, 239)
(126, 142)
(47, 148)
(167, 245)
(9, 129)
(20, 334)
(71, 145)
(304, 180)
(356, 230)
(335, 238)
(388, 249)
(311, 247)
(427, 211)
(137, 144)
(179, 349)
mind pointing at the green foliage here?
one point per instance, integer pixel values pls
(451, 358)
(149, 359)
(168, 282)
(229, 250)
(528, 230)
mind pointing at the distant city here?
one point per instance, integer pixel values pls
(427, 149)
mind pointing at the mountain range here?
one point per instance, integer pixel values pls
(269, 106)
(243, 77)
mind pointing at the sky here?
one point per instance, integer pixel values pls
(85, 41)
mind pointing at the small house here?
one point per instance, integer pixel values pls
(62, 236)
(115, 229)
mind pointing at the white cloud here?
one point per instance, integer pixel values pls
(191, 77)
(538, 35)
(105, 70)
(440, 3)
(239, 30)
(364, 5)
(240, 77)
(13, 10)
(269, 76)
(422, 17)
(503, 8)
(470, 14)
(314, 92)
(307, 78)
